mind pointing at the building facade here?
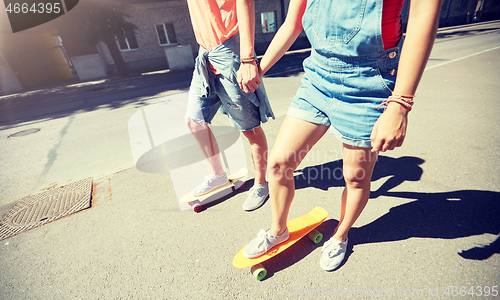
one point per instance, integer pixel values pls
(158, 19)
(161, 25)
(166, 24)
(164, 36)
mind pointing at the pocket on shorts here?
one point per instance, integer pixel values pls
(337, 21)
(387, 80)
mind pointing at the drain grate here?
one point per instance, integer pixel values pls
(39, 209)
(24, 132)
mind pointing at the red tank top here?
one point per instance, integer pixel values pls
(391, 22)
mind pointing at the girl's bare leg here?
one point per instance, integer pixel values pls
(295, 138)
(358, 168)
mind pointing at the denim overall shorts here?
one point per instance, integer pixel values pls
(349, 73)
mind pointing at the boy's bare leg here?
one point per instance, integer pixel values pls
(258, 145)
(208, 144)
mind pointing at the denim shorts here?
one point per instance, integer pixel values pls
(346, 92)
(210, 92)
(236, 104)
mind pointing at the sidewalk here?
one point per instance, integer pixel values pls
(99, 84)
(430, 229)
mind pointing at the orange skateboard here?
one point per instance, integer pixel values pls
(194, 201)
(298, 228)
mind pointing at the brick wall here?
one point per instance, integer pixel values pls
(151, 55)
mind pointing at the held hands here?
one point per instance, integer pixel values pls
(390, 129)
(248, 77)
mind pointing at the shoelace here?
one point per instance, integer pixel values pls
(209, 178)
(263, 234)
(255, 191)
(335, 247)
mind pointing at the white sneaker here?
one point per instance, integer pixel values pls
(210, 183)
(332, 254)
(256, 197)
(263, 242)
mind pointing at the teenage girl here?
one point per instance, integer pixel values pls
(359, 81)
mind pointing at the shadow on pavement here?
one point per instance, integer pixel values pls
(243, 189)
(62, 101)
(443, 215)
(329, 175)
(446, 215)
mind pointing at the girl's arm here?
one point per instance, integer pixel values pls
(420, 34)
(286, 35)
(390, 129)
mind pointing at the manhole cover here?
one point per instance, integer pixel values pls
(37, 210)
(24, 132)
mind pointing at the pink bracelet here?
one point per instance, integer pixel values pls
(405, 100)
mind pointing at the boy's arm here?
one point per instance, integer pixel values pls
(281, 42)
(390, 129)
(248, 74)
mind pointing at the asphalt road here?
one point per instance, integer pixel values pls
(431, 224)
(81, 126)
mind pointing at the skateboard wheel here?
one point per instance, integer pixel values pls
(315, 236)
(259, 272)
(197, 208)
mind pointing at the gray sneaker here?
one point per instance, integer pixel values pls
(263, 242)
(210, 183)
(333, 253)
(256, 197)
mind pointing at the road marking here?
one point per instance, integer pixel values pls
(457, 59)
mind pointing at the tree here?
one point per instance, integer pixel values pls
(105, 22)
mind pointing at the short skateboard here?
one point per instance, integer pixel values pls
(194, 201)
(297, 228)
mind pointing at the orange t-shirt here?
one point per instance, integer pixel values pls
(214, 21)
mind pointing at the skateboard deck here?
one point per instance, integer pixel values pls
(297, 228)
(233, 178)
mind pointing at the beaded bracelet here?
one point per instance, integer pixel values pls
(249, 60)
(405, 100)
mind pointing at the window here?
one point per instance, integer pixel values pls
(268, 21)
(166, 34)
(128, 42)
